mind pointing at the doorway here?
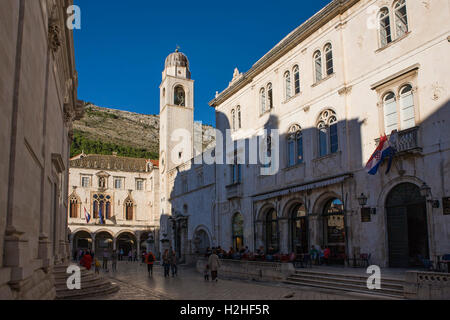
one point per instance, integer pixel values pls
(407, 226)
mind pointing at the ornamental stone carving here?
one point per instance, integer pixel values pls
(54, 36)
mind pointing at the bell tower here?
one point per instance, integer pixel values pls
(176, 120)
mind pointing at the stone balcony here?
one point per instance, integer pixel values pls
(408, 141)
(234, 191)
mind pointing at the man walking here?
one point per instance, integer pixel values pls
(114, 260)
(105, 260)
(166, 263)
(173, 263)
(214, 265)
(149, 260)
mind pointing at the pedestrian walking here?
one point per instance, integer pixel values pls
(121, 254)
(114, 261)
(166, 263)
(173, 263)
(149, 260)
(206, 272)
(97, 266)
(214, 265)
(86, 261)
(105, 260)
(130, 256)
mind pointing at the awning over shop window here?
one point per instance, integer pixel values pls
(303, 187)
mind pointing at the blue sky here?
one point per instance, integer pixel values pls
(121, 47)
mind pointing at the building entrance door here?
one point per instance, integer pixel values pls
(407, 226)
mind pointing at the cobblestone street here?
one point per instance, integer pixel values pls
(135, 284)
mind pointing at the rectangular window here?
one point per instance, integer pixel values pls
(291, 153)
(85, 182)
(333, 138)
(300, 150)
(139, 185)
(323, 142)
(118, 183)
(390, 115)
(407, 112)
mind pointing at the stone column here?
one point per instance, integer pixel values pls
(93, 242)
(259, 234)
(283, 226)
(138, 245)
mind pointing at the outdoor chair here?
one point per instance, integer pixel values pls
(427, 264)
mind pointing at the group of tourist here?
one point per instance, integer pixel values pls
(169, 260)
(317, 256)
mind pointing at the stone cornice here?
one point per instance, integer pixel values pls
(336, 7)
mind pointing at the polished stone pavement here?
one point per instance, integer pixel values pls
(135, 284)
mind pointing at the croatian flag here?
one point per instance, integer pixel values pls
(384, 150)
(87, 215)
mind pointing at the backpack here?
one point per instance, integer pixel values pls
(150, 258)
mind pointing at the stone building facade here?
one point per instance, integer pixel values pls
(121, 196)
(38, 99)
(353, 72)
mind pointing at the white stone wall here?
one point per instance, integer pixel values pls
(363, 72)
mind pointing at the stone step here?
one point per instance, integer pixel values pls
(87, 293)
(348, 276)
(336, 279)
(393, 293)
(91, 284)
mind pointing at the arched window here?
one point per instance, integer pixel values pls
(95, 209)
(179, 96)
(295, 146)
(74, 205)
(299, 229)
(328, 133)
(401, 18)
(238, 231)
(262, 100)
(318, 65)
(407, 114)
(390, 113)
(287, 84)
(385, 27)
(239, 117)
(233, 120)
(271, 224)
(296, 71)
(129, 205)
(269, 96)
(329, 59)
(108, 207)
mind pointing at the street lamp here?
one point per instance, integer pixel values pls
(362, 199)
(425, 191)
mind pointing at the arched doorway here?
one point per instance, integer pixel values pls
(298, 229)
(238, 231)
(271, 231)
(103, 241)
(126, 241)
(334, 230)
(82, 240)
(201, 241)
(407, 226)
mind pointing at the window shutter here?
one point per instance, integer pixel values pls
(407, 111)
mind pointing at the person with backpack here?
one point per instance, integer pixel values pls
(149, 260)
(166, 263)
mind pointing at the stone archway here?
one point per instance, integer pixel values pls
(201, 241)
(407, 226)
(103, 241)
(81, 240)
(126, 242)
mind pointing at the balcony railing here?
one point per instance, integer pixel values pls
(234, 191)
(408, 140)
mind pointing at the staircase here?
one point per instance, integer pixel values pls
(91, 285)
(391, 288)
